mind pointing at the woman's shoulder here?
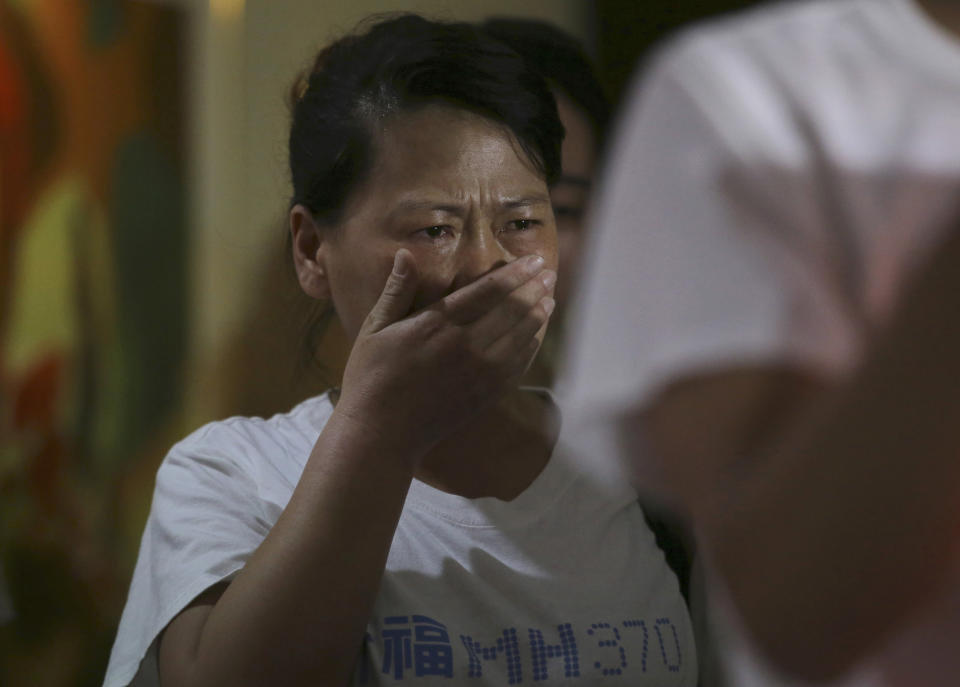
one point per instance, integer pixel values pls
(307, 417)
(251, 446)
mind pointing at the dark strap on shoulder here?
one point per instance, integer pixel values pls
(673, 540)
(677, 544)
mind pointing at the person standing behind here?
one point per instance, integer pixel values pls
(769, 326)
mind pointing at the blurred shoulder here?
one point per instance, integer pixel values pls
(253, 446)
(786, 27)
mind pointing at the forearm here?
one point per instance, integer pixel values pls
(296, 613)
(847, 532)
(849, 522)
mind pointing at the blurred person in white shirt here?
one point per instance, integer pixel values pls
(769, 325)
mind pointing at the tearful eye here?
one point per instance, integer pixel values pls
(435, 232)
(522, 224)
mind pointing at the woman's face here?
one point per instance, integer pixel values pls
(456, 191)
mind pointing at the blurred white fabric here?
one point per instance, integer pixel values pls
(777, 176)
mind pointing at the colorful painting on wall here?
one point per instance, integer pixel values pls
(93, 293)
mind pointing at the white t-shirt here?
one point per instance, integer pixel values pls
(563, 583)
(777, 175)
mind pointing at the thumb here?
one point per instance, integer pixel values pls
(397, 295)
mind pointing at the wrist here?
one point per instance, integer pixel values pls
(378, 431)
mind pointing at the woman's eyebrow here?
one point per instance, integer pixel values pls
(413, 204)
(525, 201)
(436, 205)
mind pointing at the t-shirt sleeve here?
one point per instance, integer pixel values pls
(709, 248)
(205, 522)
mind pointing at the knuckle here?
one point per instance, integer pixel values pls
(432, 323)
(393, 290)
(503, 283)
(540, 315)
(520, 303)
(454, 300)
(532, 322)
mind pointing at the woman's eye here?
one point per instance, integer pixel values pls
(436, 232)
(522, 224)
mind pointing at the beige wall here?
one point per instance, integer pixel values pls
(246, 54)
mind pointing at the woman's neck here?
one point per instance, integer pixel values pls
(499, 453)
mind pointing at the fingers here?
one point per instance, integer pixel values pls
(475, 300)
(397, 295)
(516, 310)
(519, 344)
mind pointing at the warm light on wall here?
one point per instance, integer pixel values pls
(227, 9)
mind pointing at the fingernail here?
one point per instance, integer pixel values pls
(535, 262)
(548, 305)
(549, 278)
(399, 266)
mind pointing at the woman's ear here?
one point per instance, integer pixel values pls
(308, 253)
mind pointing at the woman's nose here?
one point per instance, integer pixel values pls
(482, 252)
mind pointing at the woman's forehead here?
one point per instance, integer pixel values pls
(455, 143)
(440, 159)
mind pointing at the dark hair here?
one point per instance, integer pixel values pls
(561, 60)
(401, 64)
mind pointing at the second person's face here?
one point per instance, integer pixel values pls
(454, 189)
